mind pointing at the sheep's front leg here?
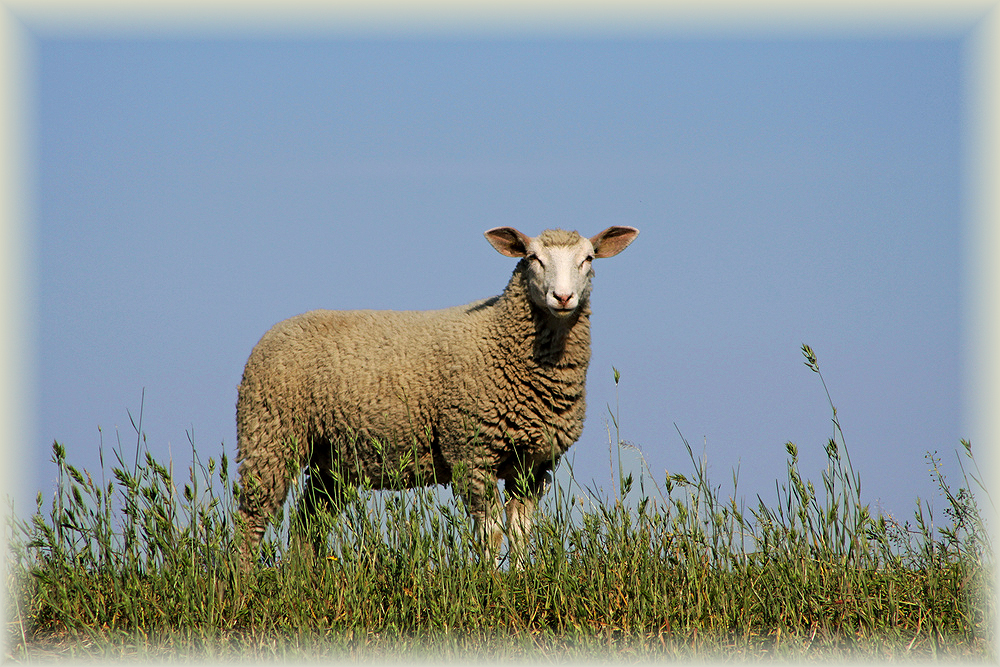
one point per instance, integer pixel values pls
(480, 494)
(523, 493)
(489, 526)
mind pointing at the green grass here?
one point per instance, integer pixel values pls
(140, 564)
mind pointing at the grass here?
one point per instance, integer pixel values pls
(140, 564)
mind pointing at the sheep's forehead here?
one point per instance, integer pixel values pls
(558, 237)
(561, 242)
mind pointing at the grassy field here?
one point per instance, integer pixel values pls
(140, 564)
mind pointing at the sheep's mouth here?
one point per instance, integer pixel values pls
(562, 312)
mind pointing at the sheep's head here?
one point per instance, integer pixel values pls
(558, 262)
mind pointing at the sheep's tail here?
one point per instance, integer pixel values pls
(265, 477)
(253, 517)
(271, 456)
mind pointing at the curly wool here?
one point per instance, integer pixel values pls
(495, 387)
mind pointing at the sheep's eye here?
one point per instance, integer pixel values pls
(586, 261)
(533, 257)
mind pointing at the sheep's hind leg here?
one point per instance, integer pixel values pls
(320, 503)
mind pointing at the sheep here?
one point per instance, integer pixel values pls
(467, 395)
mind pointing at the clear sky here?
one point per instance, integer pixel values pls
(190, 193)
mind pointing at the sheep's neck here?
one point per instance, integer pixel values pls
(546, 342)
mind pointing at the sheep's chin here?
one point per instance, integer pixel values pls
(561, 314)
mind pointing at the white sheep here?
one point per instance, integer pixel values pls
(468, 395)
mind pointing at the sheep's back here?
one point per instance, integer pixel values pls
(332, 374)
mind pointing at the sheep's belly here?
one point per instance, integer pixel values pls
(380, 463)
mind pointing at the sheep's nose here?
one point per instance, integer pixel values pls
(563, 299)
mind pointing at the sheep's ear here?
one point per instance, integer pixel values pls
(613, 240)
(508, 241)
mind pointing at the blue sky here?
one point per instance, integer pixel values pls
(190, 193)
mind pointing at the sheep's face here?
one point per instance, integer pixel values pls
(559, 276)
(559, 262)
